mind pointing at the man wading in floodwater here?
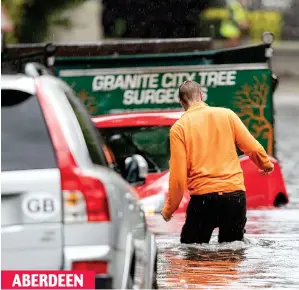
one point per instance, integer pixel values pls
(204, 159)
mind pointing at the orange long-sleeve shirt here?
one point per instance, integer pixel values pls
(203, 153)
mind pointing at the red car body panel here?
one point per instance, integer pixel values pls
(261, 191)
(152, 118)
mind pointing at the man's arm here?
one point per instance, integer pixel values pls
(178, 173)
(249, 145)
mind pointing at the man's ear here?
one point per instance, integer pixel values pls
(201, 95)
(183, 105)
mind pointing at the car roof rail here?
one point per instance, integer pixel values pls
(32, 63)
(34, 69)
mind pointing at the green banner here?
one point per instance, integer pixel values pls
(246, 89)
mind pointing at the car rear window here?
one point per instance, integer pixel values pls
(25, 142)
(93, 139)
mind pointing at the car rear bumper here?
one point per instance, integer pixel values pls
(90, 253)
(86, 253)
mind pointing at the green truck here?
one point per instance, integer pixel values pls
(119, 79)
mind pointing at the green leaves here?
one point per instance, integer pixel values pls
(33, 18)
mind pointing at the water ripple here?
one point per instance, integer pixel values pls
(269, 256)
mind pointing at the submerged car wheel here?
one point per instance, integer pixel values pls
(280, 200)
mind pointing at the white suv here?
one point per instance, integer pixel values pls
(62, 206)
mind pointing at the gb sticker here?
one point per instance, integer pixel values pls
(40, 206)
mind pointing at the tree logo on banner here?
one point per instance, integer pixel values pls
(251, 102)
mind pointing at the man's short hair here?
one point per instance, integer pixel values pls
(189, 91)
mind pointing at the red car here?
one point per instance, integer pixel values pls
(147, 134)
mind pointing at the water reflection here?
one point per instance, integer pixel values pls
(269, 257)
(196, 267)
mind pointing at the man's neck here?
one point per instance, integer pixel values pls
(193, 104)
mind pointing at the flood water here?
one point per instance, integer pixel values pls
(269, 257)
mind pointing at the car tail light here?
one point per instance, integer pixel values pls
(84, 197)
(99, 267)
(89, 203)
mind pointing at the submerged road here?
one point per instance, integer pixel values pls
(269, 257)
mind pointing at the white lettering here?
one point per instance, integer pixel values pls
(167, 81)
(153, 81)
(129, 97)
(97, 83)
(204, 93)
(144, 80)
(109, 83)
(150, 96)
(43, 281)
(26, 280)
(139, 98)
(52, 280)
(180, 78)
(124, 82)
(231, 78)
(119, 82)
(160, 96)
(78, 280)
(61, 281)
(69, 281)
(212, 79)
(171, 96)
(174, 80)
(16, 281)
(153, 91)
(192, 76)
(131, 81)
(34, 280)
(221, 78)
(103, 83)
(202, 78)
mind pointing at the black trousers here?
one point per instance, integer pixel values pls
(209, 211)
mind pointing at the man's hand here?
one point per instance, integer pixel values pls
(167, 219)
(267, 171)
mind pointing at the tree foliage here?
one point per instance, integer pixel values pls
(121, 18)
(32, 19)
(153, 19)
